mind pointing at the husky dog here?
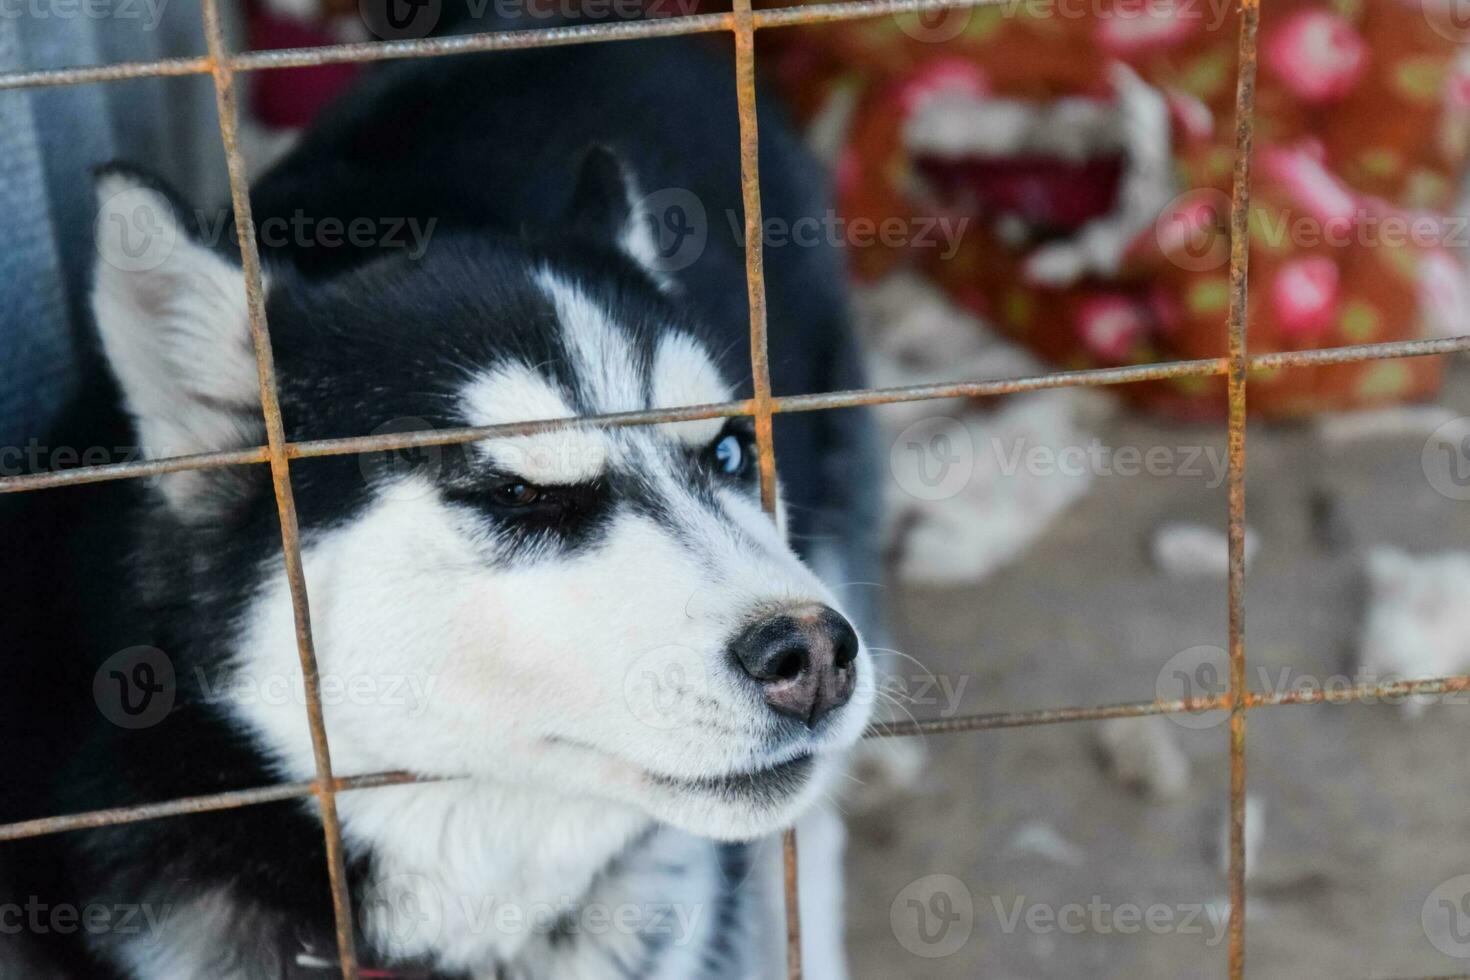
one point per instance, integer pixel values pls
(609, 658)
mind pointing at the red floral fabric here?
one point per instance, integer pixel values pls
(1363, 122)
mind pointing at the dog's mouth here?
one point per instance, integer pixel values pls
(1036, 171)
(769, 783)
(742, 802)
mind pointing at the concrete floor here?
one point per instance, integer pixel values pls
(1365, 811)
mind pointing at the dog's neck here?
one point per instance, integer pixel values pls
(472, 872)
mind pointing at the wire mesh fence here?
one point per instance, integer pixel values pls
(742, 22)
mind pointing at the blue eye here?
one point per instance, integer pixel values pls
(730, 455)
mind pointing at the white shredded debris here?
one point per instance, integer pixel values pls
(1217, 913)
(883, 769)
(963, 496)
(1255, 834)
(1419, 421)
(1195, 551)
(1142, 755)
(301, 11)
(1418, 620)
(1041, 838)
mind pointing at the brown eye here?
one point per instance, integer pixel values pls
(516, 494)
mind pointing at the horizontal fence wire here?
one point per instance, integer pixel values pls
(1236, 367)
(857, 398)
(546, 37)
(1386, 693)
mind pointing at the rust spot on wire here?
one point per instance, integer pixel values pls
(118, 72)
(1361, 352)
(755, 272)
(1002, 386)
(831, 13)
(224, 88)
(1360, 693)
(992, 721)
(793, 897)
(1245, 98)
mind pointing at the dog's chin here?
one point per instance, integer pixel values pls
(740, 805)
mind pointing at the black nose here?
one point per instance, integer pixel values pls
(802, 658)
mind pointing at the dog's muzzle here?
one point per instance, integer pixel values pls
(802, 660)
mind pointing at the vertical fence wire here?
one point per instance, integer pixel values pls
(1245, 92)
(225, 101)
(760, 371)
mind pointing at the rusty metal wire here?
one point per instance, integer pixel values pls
(760, 371)
(1240, 202)
(485, 41)
(275, 430)
(742, 22)
(200, 804)
(1094, 377)
(1385, 693)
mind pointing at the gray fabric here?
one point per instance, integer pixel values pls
(50, 140)
(34, 324)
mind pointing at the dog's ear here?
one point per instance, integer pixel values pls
(606, 205)
(172, 317)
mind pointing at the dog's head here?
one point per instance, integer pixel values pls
(607, 611)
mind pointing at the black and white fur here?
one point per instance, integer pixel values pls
(522, 631)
